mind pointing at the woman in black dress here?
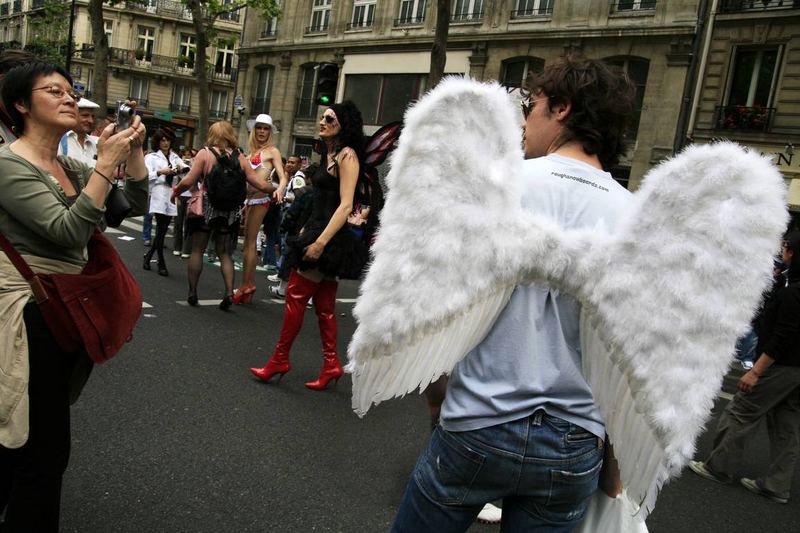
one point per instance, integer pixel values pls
(326, 248)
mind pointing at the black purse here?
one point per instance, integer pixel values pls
(117, 207)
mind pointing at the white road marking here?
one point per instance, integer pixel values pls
(146, 305)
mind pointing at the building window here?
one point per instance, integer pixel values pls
(270, 28)
(181, 98)
(532, 8)
(412, 12)
(140, 87)
(465, 10)
(307, 105)
(219, 104)
(383, 98)
(263, 90)
(515, 70)
(363, 14)
(108, 28)
(232, 16)
(320, 16)
(303, 147)
(754, 73)
(633, 5)
(636, 69)
(224, 63)
(145, 43)
(187, 51)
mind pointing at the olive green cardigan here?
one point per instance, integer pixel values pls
(36, 215)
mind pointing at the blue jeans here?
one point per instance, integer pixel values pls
(746, 347)
(544, 469)
(147, 227)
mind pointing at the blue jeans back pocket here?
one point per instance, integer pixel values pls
(448, 468)
(569, 487)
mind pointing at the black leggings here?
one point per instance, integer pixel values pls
(30, 476)
(162, 225)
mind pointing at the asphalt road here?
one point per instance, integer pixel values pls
(174, 435)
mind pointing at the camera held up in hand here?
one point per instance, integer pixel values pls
(122, 117)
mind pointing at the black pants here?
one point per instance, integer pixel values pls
(157, 246)
(30, 476)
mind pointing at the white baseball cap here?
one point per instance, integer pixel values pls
(263, 118)
(83, 103)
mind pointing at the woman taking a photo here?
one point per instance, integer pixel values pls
(264, 157)
(162, 166)
(222, 139)
(49, 209)
(325, 248)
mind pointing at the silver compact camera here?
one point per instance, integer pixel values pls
(122, 117)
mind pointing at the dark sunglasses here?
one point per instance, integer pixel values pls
(528, 103)
(329, 119)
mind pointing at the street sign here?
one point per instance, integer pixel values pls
(163, 115)
(79, 87)
(238, 100)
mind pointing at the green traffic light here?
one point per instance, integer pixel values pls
(324, 100)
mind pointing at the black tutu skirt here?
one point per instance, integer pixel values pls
(345, 256)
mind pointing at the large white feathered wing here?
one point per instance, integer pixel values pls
(675, 287)
(438, 278)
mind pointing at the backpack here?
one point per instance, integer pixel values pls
(226, 183)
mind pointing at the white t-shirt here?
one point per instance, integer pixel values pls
(531, 359)
(85, 153)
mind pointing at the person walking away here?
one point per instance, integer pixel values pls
(221, 139)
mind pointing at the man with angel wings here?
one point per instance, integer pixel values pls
(570, 314)
(517, 409)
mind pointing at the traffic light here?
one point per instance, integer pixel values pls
(327, 80)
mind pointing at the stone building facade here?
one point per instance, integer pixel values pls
(749, 89)
(383, 49)
(152, 50)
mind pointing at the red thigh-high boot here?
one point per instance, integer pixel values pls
(325, 306)
(298, 292)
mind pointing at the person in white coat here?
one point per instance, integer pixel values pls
(163, 165)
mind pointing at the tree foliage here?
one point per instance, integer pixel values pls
(48, 31)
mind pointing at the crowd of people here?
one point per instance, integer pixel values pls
(56, 177)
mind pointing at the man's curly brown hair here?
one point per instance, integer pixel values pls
(602, 99)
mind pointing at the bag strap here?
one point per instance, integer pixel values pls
(39, 292)
(12, 253)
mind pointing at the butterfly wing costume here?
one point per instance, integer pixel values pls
(664, 297)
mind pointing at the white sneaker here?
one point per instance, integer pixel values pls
(176, 252)
(185, 256)
(490, 514)
(274, 278)
(276, 293)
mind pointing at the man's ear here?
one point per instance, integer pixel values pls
(562, 110)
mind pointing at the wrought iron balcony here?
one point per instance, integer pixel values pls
(467, 17)
(179, 108)
(230, 17)
(739, 6)
(409, 21)
(364, 25)
(625, 6)
(544, 11)
(218, 114)
(227, 74)
(311, 30)
(739, 117)
(260, 105)
(268, 34)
